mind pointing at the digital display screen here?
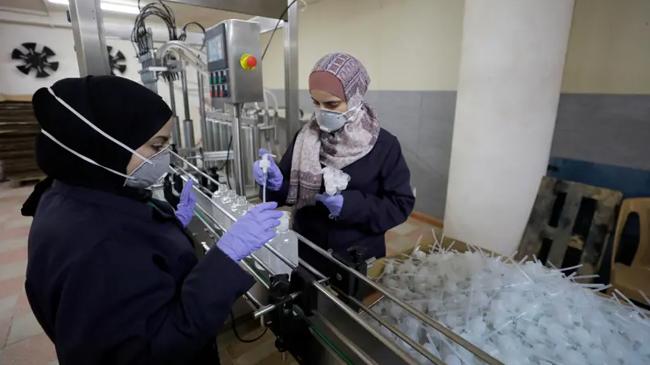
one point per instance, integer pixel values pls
(215, 49)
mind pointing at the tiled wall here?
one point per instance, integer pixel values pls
(607, 129)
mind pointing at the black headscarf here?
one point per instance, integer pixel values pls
(124, 109)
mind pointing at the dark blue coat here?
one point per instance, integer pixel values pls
(113, 280)
(378, 198)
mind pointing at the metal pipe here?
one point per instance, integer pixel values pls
(279, 255)
(210, 178)
(176, 130)
(254, 300)
(261, 263)
(417, 314)
(262, 311)
(204, 128)
(186, 97)
(357, 351)
(240, 186)
(216, 155)
(207, 225)
(291, 71)
(352, 314)
(311, 268)
(172, 96)
(266, 309)
(188, 128)
(214, 220)
(254, 274)
(414, 345)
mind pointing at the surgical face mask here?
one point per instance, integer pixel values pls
(140, 175)
(331, 121)
(146, 174)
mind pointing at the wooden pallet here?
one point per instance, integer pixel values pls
(19, 180)
(18, 130)
(570, 224)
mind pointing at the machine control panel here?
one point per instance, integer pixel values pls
(233, 51)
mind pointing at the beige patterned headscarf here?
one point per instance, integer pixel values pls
(314, 147)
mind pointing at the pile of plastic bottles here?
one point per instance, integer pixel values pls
(518, 312)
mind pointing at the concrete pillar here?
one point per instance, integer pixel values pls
(512, 58)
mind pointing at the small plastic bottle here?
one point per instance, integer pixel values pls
(286, 243)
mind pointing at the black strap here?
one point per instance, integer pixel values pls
(30, 205)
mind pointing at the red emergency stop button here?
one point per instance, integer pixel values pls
(248, 62)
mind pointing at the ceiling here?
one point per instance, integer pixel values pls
(30, 6)
(207, 17)
(183, 13)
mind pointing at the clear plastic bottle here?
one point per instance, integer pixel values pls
(217, 199)
(285, 243)
(228, 197)
(239, 206)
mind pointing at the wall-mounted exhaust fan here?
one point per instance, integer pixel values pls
(34, 60)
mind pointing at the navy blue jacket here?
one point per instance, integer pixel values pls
(378, 198)
(113, 280)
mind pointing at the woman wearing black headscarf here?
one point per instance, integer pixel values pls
(111, 275)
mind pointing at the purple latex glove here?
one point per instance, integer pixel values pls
(274, 181)
(185, 207)
(251, 231)
(333, 203)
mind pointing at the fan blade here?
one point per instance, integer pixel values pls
(122, 68)
(23, 69)
(47, 51)
(41, 73)
(30, 45)
(17, 54)
(120, 56)
(53, 65)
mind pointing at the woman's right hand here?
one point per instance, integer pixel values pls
(251, 231)
(275, 178)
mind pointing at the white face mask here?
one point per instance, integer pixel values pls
(142, 176)
(331, 121)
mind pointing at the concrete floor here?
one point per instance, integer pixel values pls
(22, 341)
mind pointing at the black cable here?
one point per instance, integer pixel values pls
(227, 156)
(276, 28)
(139, 32)
(234, 330)
(183, 35)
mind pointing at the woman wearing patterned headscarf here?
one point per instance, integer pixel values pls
(344, 135)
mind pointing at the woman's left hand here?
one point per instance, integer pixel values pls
(333, 203)
(185, 208)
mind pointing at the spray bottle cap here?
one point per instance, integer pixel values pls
(265, 163)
